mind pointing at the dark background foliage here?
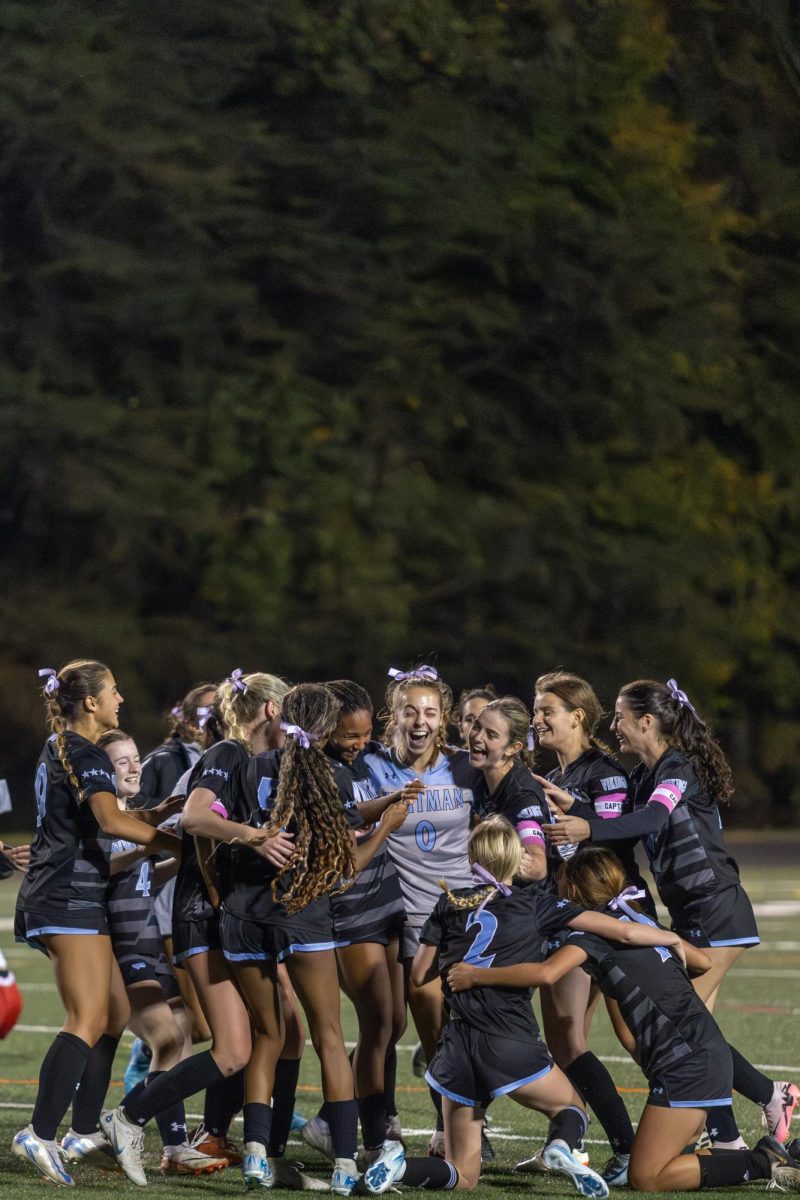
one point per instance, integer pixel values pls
(339, 334)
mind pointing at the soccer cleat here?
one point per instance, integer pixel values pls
(387, 1168)
(558, 1157)
(777, 1113)
(487, 1149)
(704, 1141)
(738, 1144)
(784, 1167)
(580, 1153)
(436, 1144)
(316, 1133)
(138, 1065)
(256, 1170)
(187, 1159)
(215, 1147)
(534, 1165)
(127, 1142)
(45, 1156)
(288, 1175)
(298, 1121)
(615, 1172)
(419, 1061)
(89, 1148)
(345, 1177)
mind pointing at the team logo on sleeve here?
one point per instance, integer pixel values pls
(94, 773)
(680, 785)
(614, 783)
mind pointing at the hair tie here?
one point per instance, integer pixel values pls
(530, 741)
(237, 682)
(176, 712)
(203, 714)
(481, 875)
(622, 903)
(676, 694)
(53, 682)
(299, 734)
(423, 672)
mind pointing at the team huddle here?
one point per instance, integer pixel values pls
(271, 852)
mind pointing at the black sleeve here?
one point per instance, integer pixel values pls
(639, 824)
(553, 914)
(94, 770)
(595, 948)
(218, 766)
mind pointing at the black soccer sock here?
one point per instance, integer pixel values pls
(748, 1081)
(390, 1083)
(192, 1075)
(721, 1124)
(171, 1122)
(287, 1072)
(372, 1115)
(343, 1120)
(224, 1099)
(595, 1084)
(257, 1123)
(569, 1126)
(437, 1104)
(732, 1167)
(429, 1173)
(59, 1076)
(93, 1087)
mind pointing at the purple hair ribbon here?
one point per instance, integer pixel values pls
(622, 903)
(203, 713)
(530, 741)
(53, 682)
(237, 682)
(423, 672)
(176, 712)
(296, 731)
(680, 696)
(481, 875)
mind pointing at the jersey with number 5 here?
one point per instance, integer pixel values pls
(506, 931)
(431, 844)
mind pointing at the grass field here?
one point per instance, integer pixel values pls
(758, 1011)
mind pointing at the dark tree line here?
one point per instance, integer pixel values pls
(339, 334)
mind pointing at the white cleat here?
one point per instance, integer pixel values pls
(316, 1133)
(256, 1170)
(289, 1176)
(558, 1157)
(89, 1148)
(388, 1167)
(188, 1160)
(344, 1177)
(127, 1142)
(45, 1156)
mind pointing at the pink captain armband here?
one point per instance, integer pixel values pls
(219, 808)
(666, 794)
(530, 833)
(610, 804)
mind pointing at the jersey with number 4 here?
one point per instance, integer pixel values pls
(431, 844)
(506, 931)
(70, 853)
(130, 895)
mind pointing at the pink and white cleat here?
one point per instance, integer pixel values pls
(778, 1112)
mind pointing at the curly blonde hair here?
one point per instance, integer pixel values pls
(308, 799)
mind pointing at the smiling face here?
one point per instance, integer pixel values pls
(490, 745)
(470, 710)
(554, 724)
(418, 720)
(127, 767)
(629, 730)
(351, 735)
(105, 705)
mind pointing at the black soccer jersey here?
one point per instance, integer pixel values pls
(508, 930)
(681, 830)
(373, 905)
(667, 1018)
(70, 853)
(130, 895)
(518, 798)
(217, 770)
(248, 889)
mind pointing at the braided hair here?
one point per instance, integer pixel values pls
(352, 696)
(76, 682)
(575, 693)
(495, 845)
(396, 693)
(308, 800)
(680, 726)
